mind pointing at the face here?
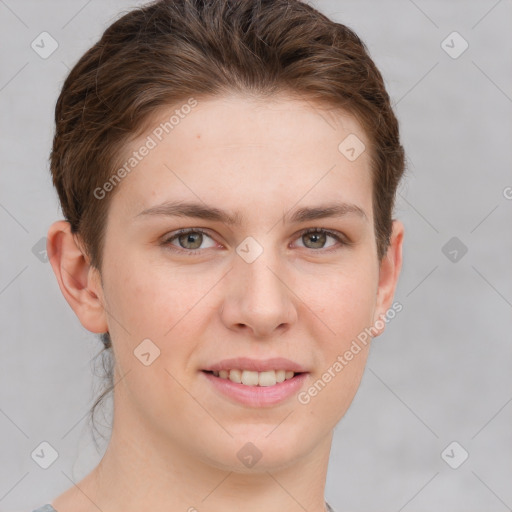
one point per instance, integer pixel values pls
(261, 270)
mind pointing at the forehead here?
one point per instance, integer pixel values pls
(245, 151)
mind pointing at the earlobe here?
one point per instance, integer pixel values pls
(78, 281)
(389, 273)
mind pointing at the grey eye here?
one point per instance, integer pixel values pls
(317, 240)
(194, 239)
(190, 240)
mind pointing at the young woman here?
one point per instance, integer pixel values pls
(227, 172)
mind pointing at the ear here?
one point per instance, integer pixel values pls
(388, 276)
(79, 282)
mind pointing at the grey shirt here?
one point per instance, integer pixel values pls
(49, 508)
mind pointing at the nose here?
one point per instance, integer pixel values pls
(258, 297)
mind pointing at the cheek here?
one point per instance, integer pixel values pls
(344, 299)
(163, 303)
(344, 303)
(150, 298)
(151, 302)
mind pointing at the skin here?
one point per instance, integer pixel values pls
(175, 439)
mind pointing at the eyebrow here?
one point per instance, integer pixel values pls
(206, 212)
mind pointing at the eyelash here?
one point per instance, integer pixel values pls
(192, 252)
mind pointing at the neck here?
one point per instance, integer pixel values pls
(140, 471)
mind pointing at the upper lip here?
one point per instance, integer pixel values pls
(256, 365)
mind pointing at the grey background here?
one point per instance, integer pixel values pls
(439, 373)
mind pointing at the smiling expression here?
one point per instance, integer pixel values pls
(208, 256)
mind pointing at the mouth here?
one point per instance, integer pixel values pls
(254, 389)
(256, 382)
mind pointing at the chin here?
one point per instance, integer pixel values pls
(259, 450)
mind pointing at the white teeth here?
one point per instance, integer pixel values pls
(235, 376)
(252, 378)
(267, 378)
(249, 378)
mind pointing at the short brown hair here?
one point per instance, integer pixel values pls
(162, 53)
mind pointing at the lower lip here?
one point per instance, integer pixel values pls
(257, 396)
